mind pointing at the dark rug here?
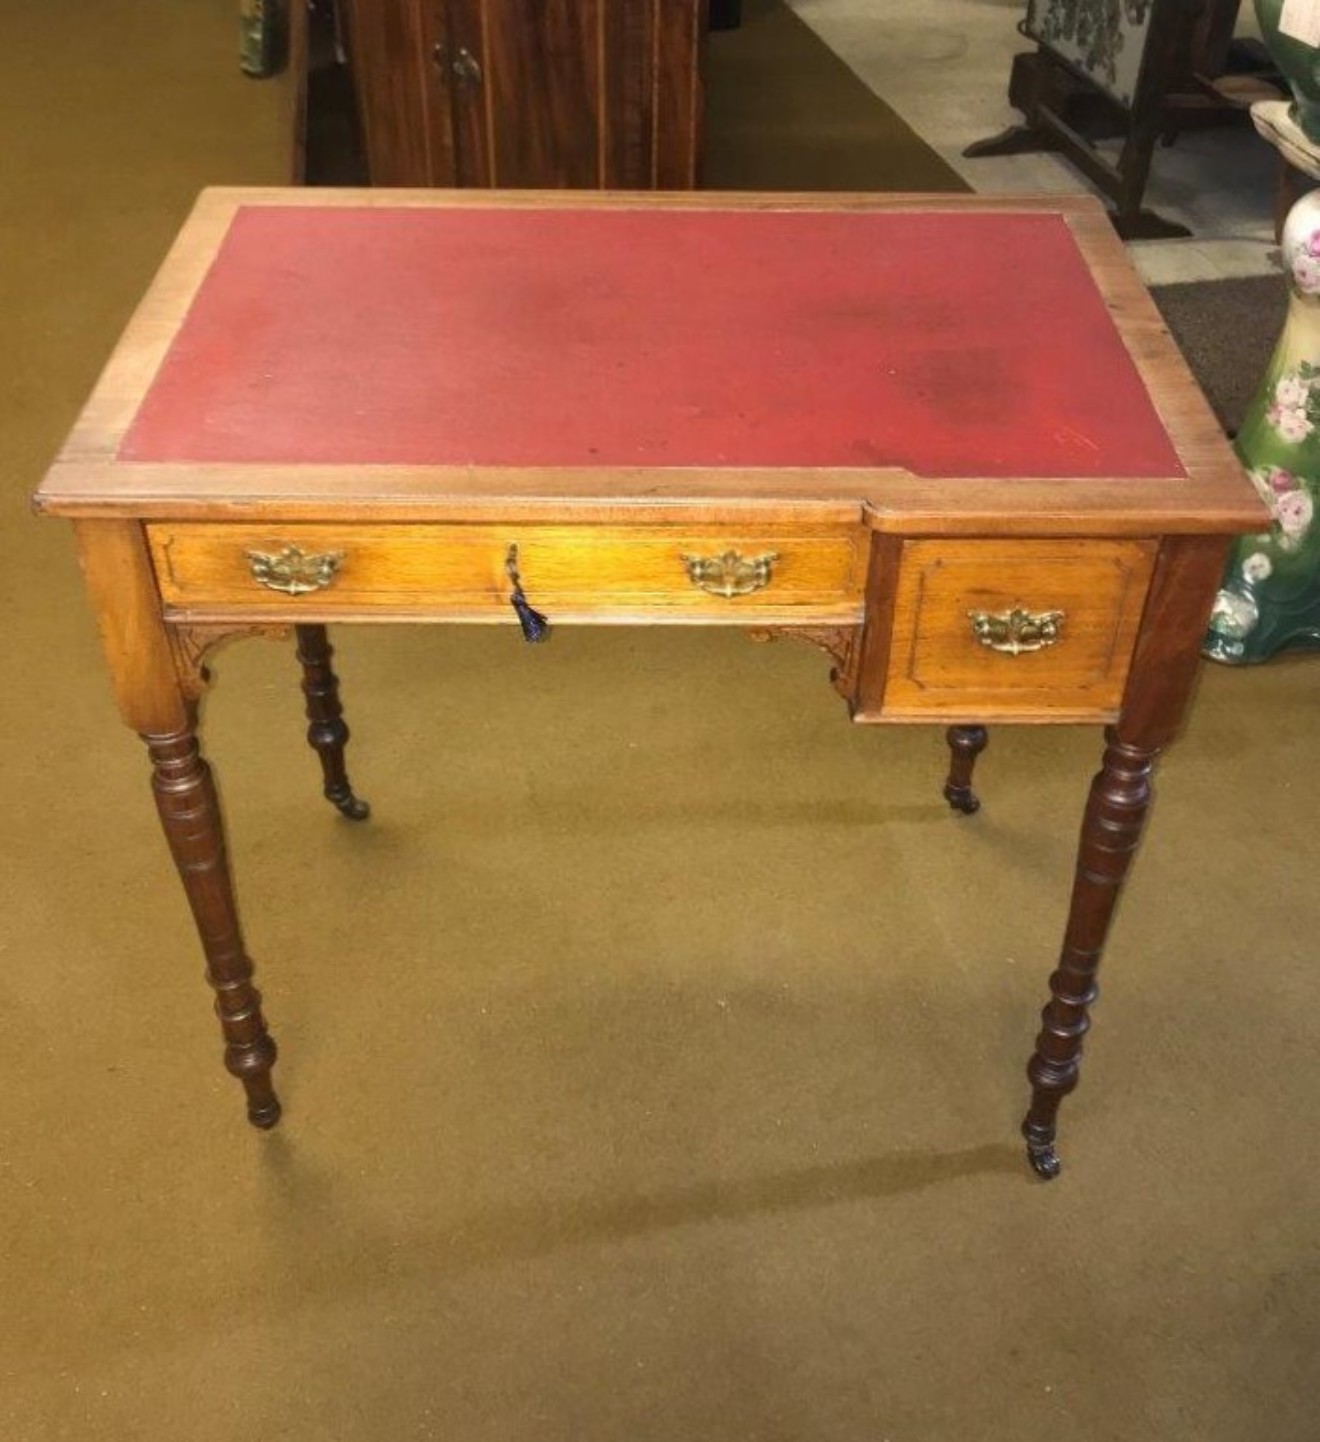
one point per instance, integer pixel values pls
(1227, 330)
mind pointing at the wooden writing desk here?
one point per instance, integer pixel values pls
(947, 439)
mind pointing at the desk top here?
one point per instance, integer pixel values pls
(418, 352)
(530, 337)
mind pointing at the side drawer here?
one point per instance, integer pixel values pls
(454, 570)
(986, 630)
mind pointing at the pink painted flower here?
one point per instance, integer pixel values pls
(1291, 424)
(1306, 272)
(1291, 393)
(1313, 244)
(1281, 481)
(1294, 512)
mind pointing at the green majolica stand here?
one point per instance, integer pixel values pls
(1270, 598)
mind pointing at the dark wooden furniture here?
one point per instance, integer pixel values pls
(988, 489)
(543, 93)
(1066, 103)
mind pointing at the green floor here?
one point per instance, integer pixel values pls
(653, 1057)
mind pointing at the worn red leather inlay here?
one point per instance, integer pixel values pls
(948, 343)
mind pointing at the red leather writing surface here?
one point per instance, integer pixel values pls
(949, 344)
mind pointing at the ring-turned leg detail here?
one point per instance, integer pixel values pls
(190, 814)
(1115, 816)
(327, 732)
(965, 744)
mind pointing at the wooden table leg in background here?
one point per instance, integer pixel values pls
(1159, 686)
(965, 744)
(327, 731)
(152, 701)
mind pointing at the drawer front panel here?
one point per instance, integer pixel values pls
(1015, 629)
(459, 570)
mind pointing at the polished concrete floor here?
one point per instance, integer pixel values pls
(653, 1057)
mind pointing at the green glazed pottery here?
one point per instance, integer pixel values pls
(1271, 592)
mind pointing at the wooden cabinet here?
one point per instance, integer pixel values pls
(529, 93)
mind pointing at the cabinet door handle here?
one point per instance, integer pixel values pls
(466, 67)
(463, 66)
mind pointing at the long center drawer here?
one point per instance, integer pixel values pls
(599, 572)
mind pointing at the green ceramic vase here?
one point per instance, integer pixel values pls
(1300, 64)
(1270, 597)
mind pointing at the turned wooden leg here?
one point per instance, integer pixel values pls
(1160, 680)
(327, 732)
(1111, 829)
(186, 800)
(965, 744)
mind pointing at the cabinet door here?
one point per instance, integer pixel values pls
(526, 78)
(529, 93)
(679, 34)
(652, 102)
(397, 52)
(575, 93)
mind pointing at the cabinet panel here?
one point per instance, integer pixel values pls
(529, 93)
(389, 54)
(627, 145)
(678, 98)
(458, 90)
(541, 89)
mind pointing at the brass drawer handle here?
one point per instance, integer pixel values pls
(293, 571)
(1013, 632)
(730, 575)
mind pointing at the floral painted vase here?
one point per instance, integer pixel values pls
(1299, 62)
(1271, 591)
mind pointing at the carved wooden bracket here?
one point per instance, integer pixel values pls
(842, 643)
(192, 644)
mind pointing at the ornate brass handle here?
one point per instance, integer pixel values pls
(730, 574)
(293, 571)
(1013, 632)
